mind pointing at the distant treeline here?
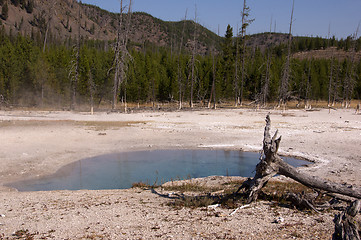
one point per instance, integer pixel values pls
(30, 76)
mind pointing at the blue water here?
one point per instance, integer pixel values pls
(119, 171)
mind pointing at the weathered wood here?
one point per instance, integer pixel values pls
(301, 202)
(319, 183)
(346, 227)
(271, 164)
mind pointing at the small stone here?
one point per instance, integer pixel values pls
(214, 206)
(279, 220)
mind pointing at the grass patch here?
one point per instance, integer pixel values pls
(204, 196)
(191, 187)
(192, 202)
(278, 189)
(199, 195)
(142, 185)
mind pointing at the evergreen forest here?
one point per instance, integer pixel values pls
(32, 75)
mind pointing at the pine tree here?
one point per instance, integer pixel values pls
(15, 2)
(22, 3)
(29, 6)
(228, 62)
(5, 11)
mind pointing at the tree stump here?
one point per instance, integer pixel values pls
(271, 164)
(346, 226)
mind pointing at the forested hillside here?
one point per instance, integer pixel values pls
(34, 74)
(60, 19)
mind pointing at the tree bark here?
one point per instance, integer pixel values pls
(91, 91)
(121, 56)
(286, 71)
(346, 227)
(117, 60)
(271, 164)
(236, 80)
(191, 104)
(245, 22)
(213, 90)
(179, 63)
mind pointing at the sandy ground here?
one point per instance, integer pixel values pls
(34, 144)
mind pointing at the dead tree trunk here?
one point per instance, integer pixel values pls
(266, 87)
(350, 81)
(117, 60)
(236, 80)
(121, 55)
(75, 66)
(48, 24)
(179, 62)
(191, 104)
(213, 90)
(91, 91)
(346, 227)
(271, 164)
(283, 91)
(308, 86)
(245, 22)
(330, 83)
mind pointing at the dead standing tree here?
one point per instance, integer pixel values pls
(49, 19)
(179, 62)
(74, 65)
(236, 78)
(121, 55)
(91, 90)
(330, 83)
(283, 90)
(266, 85)
(193, 59)
(349, 83)
(213, 89)
(308, 85)
(271, 164)
(245, 23)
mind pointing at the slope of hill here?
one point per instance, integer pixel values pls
(328, 53)
(60, 17)
(95, 23)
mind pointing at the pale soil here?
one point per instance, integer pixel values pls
(38, 143)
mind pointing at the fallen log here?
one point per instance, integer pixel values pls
(271, 164)
(346, 225)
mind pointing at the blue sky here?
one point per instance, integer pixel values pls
(312, 17)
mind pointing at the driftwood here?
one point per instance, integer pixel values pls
(346, 227)
(301, 202)
(271, 164)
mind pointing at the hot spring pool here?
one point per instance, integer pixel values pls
(120, 170)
